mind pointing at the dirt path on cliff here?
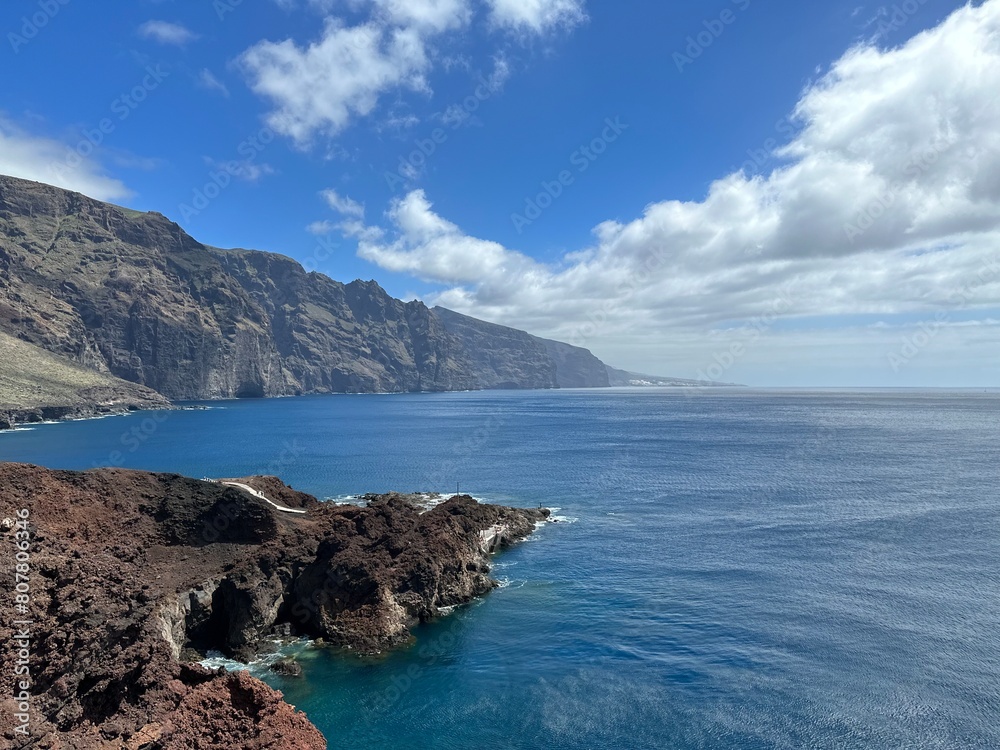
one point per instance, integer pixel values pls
(260, 496)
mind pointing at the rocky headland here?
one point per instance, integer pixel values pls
(133, 575)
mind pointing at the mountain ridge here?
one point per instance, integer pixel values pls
(132, 296)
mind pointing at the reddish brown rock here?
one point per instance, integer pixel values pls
(130, 570)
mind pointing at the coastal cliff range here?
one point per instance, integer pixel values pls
(131, 295)
(133, 573)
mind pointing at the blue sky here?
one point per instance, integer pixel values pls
(410, 141)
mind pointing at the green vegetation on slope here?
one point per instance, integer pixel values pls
(36, 384)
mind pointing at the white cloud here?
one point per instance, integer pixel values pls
(435, 249)
(321, 87)
(54, 163)
(888, 205)
(207, 80)
(352, 216)
(248, 170)
(321, 227)
(343, 204)
(537, 16)
(430, 15)
(167, 33)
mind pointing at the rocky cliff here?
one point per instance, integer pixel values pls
(131, 295)
(353, 338)
(509, 358)
(36, 386)
(575, 367)
(131, 573)
(128, 294)
(506, 358)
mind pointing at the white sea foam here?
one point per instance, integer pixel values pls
(97, 416)
(554, 517)
(344, 499)
(217, 660)
(510, 583)
(426, 500)
(27, 426)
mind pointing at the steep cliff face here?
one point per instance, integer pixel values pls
(36, 385)
(354, 338)
(128, 294)
(509, 358)
(575, 367)
(505, 357)
(131, 295)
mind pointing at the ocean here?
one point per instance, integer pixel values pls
(734, 569)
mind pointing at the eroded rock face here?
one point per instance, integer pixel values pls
(132, 295)
(509, 358)
(576, 367)
(39, 386)
(353, 338)
(130, 570)
(382, 568)
(129, 294)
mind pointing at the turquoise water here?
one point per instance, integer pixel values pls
(746, 569)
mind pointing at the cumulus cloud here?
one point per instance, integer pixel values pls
(165, 32)
(430, 15)
(54, 163)
(887, 203)
(536, 16)
(435, 249)
(321, 87)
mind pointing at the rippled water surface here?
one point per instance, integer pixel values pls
(751, 569)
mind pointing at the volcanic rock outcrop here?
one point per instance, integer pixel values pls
(132, 573)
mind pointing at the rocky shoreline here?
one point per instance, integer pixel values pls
(11, 418)
(39, 386)
(133, 573)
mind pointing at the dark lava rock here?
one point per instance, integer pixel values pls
(287, 667)
(130, 570)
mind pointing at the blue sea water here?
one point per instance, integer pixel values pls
(746, 569)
